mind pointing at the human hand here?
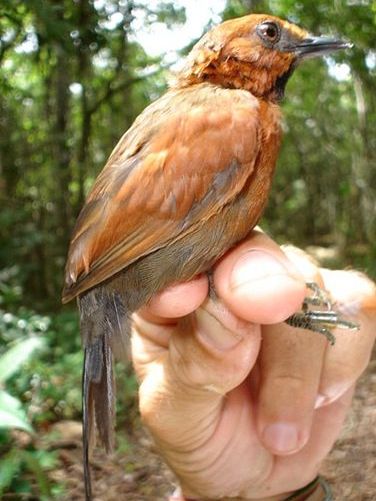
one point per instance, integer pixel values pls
(238, 403)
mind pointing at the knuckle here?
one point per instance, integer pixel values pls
(294, 383)
(353, 290)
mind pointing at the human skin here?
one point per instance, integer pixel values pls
(239, 403)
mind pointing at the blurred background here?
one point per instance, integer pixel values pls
(73, 76)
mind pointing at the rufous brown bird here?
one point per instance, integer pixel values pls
(185, 183)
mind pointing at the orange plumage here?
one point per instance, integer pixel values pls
(186, 182)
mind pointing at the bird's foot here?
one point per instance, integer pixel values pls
(322, 320)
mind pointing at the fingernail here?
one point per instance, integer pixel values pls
(281, 437)
(321, 400)
(255, 266)
(177, 495)
(214, 333)
(332, 394)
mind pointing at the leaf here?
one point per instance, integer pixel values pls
(9, 420)
(34, 465)
(10, 466)
(12, 414)
(16, 356)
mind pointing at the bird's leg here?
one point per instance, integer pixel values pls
(321, 321)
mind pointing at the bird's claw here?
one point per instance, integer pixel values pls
(321, 321)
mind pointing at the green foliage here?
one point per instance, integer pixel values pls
(48, 388)
(72, 80)
(23, 472)
(168, 13)
(17, 355)
(50, 383)
(15, 460)
(12, 414)
(40, 362)
(10, 289)
(38, 381)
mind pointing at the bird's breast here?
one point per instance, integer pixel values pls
(257, 188)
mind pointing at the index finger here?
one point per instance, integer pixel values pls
(176, 301)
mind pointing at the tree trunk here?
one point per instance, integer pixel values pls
(60, 146)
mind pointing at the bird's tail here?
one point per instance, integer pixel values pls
(102, 322)
(98, 400)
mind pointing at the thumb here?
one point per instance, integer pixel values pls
(258, 282)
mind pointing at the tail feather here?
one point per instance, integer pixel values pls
(104, 397)
(101, 321)
(98, 401)
(87, 420)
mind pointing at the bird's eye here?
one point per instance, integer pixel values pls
(269, 32)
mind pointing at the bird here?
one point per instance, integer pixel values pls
(186, 182)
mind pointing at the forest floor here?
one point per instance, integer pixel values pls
(136, 473)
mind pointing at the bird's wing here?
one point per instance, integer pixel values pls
(185, 157)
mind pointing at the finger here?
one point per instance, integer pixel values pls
(210, 353)
(304, 263)
(355, 295)
(258, 283)
(305, 464)
(208, 335)
(156, 319)
(290, 366)
(176, 301)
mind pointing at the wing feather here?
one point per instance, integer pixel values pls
(185, 157)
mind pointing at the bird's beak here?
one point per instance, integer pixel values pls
(318, 46)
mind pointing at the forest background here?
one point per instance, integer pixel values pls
(73, 76)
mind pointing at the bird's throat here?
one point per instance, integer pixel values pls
(231, 73)
(278, 92)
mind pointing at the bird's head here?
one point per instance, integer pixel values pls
(257, 52)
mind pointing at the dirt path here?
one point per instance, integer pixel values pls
(351, 466)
